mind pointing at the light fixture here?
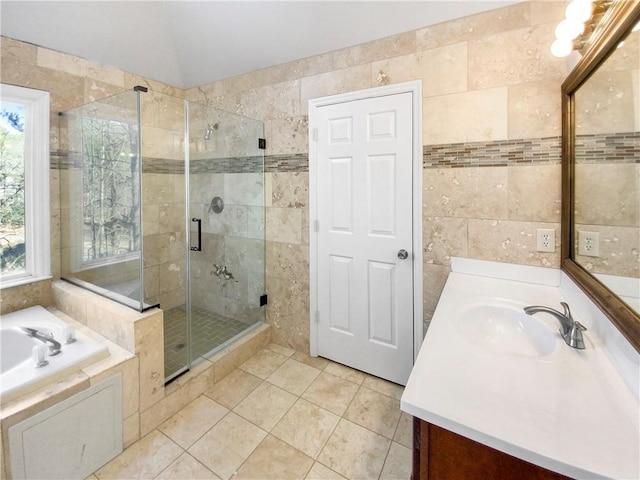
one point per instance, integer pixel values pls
(573, 32)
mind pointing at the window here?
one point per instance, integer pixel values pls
(24, 186)
(110, 193)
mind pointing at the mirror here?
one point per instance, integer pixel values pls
(601, 170)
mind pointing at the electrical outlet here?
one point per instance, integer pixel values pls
(546, 240)
(589, 244)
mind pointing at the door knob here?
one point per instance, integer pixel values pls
(402, 254)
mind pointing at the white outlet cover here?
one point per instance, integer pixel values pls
(546, 240)
(589, 243)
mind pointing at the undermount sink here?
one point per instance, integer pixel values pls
(503, 327)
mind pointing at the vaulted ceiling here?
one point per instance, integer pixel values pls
(191, 43)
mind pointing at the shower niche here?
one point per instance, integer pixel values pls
(162, 203)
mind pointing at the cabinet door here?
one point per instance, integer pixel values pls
(447, 455)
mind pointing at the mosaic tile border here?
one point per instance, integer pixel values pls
(619, 148)
(610, 148)
(499, 153)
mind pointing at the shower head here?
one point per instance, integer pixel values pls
(210, 129)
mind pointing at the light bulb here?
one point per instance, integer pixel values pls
(569, 30)
(579, 10)
(561, 48)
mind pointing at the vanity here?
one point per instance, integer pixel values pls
(497, 393)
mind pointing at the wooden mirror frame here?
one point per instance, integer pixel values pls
(619, 20)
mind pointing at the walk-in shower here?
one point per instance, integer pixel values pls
(162, 203)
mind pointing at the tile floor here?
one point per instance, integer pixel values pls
(281, 415)
(209, 331)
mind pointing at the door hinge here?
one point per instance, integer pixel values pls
(316, 225)
(315, 134)
(317, 316)
(262, 144)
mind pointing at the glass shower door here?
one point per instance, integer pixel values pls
(226, 267)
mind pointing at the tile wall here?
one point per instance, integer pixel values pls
(489, 85)
(486, 79)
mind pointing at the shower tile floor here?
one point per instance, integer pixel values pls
(280, 415)
(209, 330)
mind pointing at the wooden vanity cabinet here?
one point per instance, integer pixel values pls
(439, 454)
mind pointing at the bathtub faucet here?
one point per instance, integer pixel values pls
(571, 330)
(54, 346)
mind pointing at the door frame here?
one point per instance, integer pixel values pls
(415, 88)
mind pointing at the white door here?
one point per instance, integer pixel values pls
(364, 166)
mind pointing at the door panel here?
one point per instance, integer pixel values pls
(364, 208)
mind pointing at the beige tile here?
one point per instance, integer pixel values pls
(193, 421)
(306, 427)
(227, 445)
(404, 431)
(374, 411)
(144, 459)
(178, 394)
(131, 430)
(265, 406)
(474, 26)
(443, 238)
(510, 242)
(187, 468)
(284, 225)
(293, 376)
(233, 388)
(382, 386)
(331, 83)
(485, 122)
(274, 347)
(345, 372)
(534, 193)
(466, 193)
(316, 362)
(320, 472)
(290, 189)
(398, 463)
(443, 70)
(395, 70)
(534, 110)
(263, 363)
(355, 452)
(331, 392)
(512, 57)
(275, 460)
(434, 278)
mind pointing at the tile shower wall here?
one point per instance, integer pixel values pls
(490, 86)
(163, 197)
(72, 82)
(486, 79)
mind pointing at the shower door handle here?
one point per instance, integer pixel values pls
(199, 247)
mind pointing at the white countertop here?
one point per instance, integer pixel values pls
(569, 411)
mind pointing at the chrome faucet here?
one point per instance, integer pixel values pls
(54, 346)
(571, 329)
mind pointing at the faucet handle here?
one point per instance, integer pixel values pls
(579, 326)
(567, 311)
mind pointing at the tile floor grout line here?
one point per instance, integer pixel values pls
(297, 398)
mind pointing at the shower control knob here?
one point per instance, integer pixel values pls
(403, 254)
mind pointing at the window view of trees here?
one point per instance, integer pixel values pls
(12, 203)
(111, 196)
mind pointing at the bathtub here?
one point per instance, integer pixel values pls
(18, 372)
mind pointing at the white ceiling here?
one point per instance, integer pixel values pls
(191, 43)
